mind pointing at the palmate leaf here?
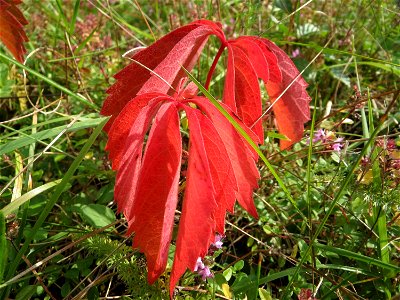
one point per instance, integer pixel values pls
(12, 33)
(148, 99)
(147, 184)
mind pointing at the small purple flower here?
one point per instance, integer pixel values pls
(337, 145)
(217, 242)
(216, 245)
(296, 52)
(202, 269)
(199, 265)
(319, 135)
(205, 273)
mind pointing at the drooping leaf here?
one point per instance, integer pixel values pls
(242, 91)
(197, 225)
(12, 33)
(149, 95)
(221, 170)
(292, 108)
(155, 193)
(240, 156)
(129, 151)
(119, 131)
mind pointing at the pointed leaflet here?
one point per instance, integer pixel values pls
(221, 170)
(152, 213)
(277, 71)
(241, 157)
(196, 225)
(165, 57)
(242, 91)
(222, 173)
(293, 109)
(264, 61)
(12, 33)
(129, 149)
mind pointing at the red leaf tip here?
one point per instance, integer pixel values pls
(12, 33)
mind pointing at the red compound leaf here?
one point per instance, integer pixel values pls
(148, 99)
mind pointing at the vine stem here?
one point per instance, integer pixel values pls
(213, 66)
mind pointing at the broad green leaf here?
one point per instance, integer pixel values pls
(96, 215)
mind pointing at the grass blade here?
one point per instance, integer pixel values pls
(46, 134)
(359, 257)
(8, 209)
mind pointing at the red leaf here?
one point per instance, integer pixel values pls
(221, 170)
(146, 187)
(221, 166)
(128, 150)
(242, 91)
(197, 224)
(118, 132)
(165, 58)
(292, 109)
(262, 60)
(155, 193)
(12, 33)
(239, 154)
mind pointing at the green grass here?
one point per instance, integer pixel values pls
(329, 222)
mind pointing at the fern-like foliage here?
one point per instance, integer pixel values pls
(129, 265)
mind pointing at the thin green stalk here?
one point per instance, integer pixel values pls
(72, 24)
(379, 211)
(3, 245)
(308, 176)
(260, 259)
(8, 209)
(358, 257)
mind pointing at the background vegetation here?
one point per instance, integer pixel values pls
(62, 237)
